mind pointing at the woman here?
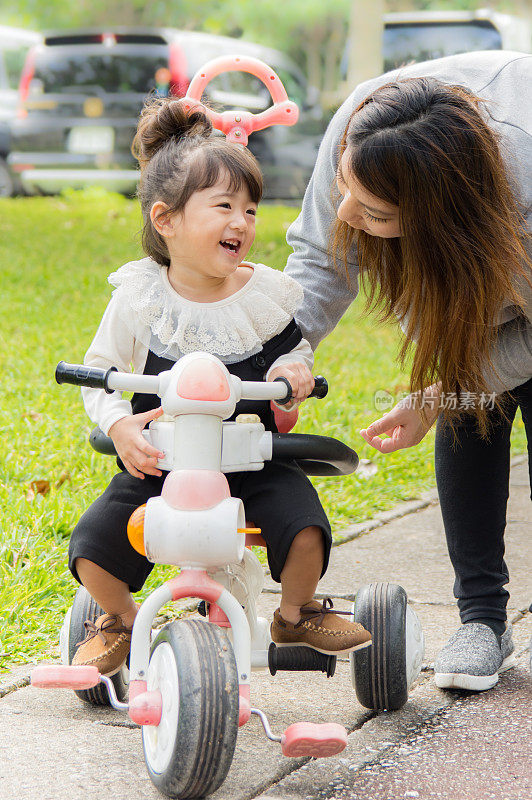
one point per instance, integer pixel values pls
(431, 175)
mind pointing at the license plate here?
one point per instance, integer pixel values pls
(91, 140)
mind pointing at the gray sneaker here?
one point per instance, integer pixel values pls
(472, 658)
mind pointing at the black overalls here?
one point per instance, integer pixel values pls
(279, 499)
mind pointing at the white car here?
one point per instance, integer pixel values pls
(14, 46)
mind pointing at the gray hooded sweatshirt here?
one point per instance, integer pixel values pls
(503, 80)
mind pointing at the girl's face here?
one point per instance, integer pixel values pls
(363, 210)
(214, 232)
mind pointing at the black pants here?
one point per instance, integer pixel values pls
(279, 499)
(472, 475)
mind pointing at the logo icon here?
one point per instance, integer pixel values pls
(383, 400)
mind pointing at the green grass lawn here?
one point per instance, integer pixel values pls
(55, 255)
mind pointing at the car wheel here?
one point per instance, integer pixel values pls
(6, 181)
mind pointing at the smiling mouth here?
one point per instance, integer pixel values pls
(231, 245)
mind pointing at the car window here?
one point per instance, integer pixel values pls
(109, 72)
(197, 54)
(249, 86)
(403, 44)
(295, 90)
(238, 83)
(241, 85)
(13, 64)
(244, 83)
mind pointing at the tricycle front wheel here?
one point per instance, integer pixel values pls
(190, 752)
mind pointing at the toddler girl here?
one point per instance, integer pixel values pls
(194, 291)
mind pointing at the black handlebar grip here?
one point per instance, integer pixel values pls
(288, 397)
(80, 375)
(321, 387)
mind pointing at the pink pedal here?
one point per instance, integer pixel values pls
(310, 739)
(244, 705)
(146, 708)
(60, 676)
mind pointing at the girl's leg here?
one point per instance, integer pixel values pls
(301, 572)
(282, 502)
(301, 620)
(110, 593)
(472, 476)
(109, 567)
(102, 559)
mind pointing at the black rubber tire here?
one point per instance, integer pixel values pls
(379, 672)
(207, 724)
(84, 607)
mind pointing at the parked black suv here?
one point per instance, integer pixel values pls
(81, 93)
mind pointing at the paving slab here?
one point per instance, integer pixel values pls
(395, 753)
(49, 757)
(68, 738)
(412, 551)
(16, 679)
(476, 747)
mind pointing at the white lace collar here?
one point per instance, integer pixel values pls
(232, 329)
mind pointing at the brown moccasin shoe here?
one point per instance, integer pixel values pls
(105, 646)
(321, 628)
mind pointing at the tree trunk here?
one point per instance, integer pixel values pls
(333, 54)
(365, 41)
(313, 56)
(401, 5)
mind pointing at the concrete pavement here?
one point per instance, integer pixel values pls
(448, 745)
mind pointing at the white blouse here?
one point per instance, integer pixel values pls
(146, 313)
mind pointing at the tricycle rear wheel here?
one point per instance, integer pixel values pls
(83, 608)
(379, 673)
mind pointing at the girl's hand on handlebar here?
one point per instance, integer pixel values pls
(403, 424)
(138, 456)
(300, 379)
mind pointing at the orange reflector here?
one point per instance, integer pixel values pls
(249, 530)
(135, 529)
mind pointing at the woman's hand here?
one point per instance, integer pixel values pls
(138, 456)
(300, 379)
(404, 424)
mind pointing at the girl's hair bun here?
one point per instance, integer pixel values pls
(162, 120)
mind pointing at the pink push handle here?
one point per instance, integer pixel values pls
(238, 125)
